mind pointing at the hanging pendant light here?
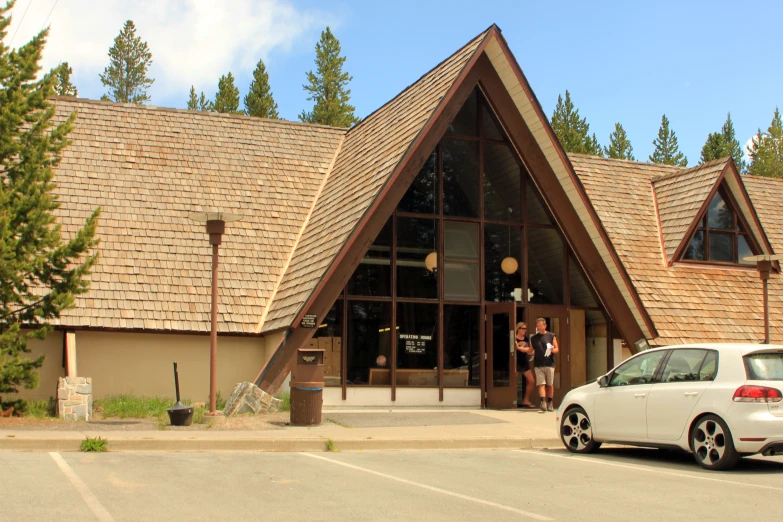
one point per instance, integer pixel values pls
(509, 265)
(431, 261)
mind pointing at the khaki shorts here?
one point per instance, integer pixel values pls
(545, 375)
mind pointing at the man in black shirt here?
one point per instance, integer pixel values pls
(522, 343)
(545, 347)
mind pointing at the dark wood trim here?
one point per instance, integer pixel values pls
(752, 209)
(344, 351)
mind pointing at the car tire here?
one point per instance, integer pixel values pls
(712, 444)
(576, 431)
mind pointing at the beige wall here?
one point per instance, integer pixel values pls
(52, 348)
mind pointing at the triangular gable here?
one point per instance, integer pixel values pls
(680, 197)
(719, 172)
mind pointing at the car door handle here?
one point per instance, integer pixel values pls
(691, 394)
(639, 395)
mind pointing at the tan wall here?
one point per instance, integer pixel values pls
(52, 348)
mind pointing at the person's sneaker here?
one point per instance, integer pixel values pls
(550, 406)
(543, 406)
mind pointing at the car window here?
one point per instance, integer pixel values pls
(639, 370)
(764, 366)
(709, 367)
(683, 365)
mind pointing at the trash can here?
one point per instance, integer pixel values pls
(307, 385)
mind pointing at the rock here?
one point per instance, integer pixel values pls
(249, 398)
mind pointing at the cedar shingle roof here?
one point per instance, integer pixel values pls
(368, 157)
(147, 169)
(687, 302)
(680, 195)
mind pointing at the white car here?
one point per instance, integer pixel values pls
(718, 401)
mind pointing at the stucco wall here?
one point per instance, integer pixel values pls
(52, 348)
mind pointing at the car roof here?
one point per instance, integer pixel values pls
(742, 348)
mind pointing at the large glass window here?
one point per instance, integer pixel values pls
(466, 122)
(461, 277)
(373, 275)
(502, 183)
(417, 344)
(460, 178)
(545, 270)
(461, 345)
(422, 195)
(369, 338)
(502, 262)
(580, 288)
(417, 238)
(536, 210)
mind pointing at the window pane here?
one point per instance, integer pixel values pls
(683, 365)
(536, 211)
(461, 345)
(695, 250)
(461, 281)
(490, 128)
(721, 247)
(421, 196)
(416, 239)
(329, 337)
(580, 288)
(466, 122)
(368, 337)
(639, 370)
(764, 366)
(373, 275)
(719, 214)
(545, 270)
(501, 242)
(460, 178)
(709, 367)
(743, 250)
(502, 183)
(417, 344)
(461, 241)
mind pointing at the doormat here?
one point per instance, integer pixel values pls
(406, 419)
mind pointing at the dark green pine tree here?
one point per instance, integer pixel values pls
(227, 97)
(192, 99)
(667, 152)
(62, 82)
(204, 104)
(722, 144)
(259, 101)
(766, 152)
(619, 144)
(327, 87)
(129, 63)
(40, 274)
(573, 131)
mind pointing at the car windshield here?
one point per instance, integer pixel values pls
(764, 366)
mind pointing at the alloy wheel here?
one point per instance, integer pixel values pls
(709, 442)
(577, 432)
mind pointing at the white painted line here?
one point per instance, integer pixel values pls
(647, 469)
(432, 488)
(91, 500)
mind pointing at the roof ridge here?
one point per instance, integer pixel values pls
(760, 178)
(420, 78)
(204, 114)
(691, 170)
(580, 155)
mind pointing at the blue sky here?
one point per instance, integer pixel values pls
(622, 61)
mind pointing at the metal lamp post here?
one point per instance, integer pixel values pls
(764, 266)
(216, 227)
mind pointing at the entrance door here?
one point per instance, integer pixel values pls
(556, 323)
(501, 377)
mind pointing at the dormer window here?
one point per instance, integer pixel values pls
(721, 235)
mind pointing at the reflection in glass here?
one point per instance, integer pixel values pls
(416, 238)
(460, 178)
(466, 122)
(743, 250)
(721, 247)
(536, 211)
(368, 336)
(501, 241)
(695, 250)
(417, 344)
(373, 275)
(502, 183)
(545, 258)
(461, 241)
(421, 196)
(461, 345)
(501, 340)
(719, 214)
(461, 281)
(329, 337)
(580, 288)
(490, 128)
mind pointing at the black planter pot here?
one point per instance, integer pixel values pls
(180, 414)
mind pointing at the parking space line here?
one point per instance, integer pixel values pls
(647, 469)
(91, 500)
(431, 488)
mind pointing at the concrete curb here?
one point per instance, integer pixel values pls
(278, 445)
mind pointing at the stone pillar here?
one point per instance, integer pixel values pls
(74, 398)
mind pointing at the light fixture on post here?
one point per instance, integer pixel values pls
(509, 264)
(216, 227)
(764, 266)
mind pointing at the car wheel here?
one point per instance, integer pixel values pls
(712, 444)
(576, 432)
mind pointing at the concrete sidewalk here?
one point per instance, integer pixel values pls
(349, 430)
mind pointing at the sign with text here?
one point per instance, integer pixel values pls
(309, 321)
(414, 343)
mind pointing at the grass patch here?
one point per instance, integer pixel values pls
(198, 413)
(34, 409)
(286, 398)
(331, 447)
(96, 444)
(126, 406)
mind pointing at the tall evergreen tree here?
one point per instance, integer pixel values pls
(766, 151)
(62, 82)
(40, 274)
(227, 97)
(129, 63)
(722, 144)
(259, 101)
(619, 144)
(327, 87)
(571, 130)
(204, 104)
(192, 99)
(667, 152)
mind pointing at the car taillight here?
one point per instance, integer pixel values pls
(757, 394)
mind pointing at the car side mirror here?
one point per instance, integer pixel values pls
(603, 381)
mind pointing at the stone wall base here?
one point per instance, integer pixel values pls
(249, 398)
(74, 398)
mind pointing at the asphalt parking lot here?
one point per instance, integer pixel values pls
(615, 484)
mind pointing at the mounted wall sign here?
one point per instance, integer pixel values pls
(309, 321)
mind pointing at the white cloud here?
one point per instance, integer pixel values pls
(193, 42)
(746, 149)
